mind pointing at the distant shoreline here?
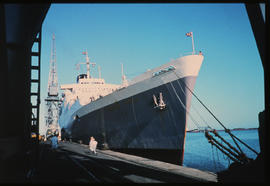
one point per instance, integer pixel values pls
(235, 129)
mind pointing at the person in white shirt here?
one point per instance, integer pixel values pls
(93, 144)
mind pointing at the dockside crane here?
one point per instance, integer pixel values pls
(53, 102)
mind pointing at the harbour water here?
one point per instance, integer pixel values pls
(201, 155)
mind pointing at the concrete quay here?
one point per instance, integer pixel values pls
(74, 163)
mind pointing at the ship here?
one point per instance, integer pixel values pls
(146, 116)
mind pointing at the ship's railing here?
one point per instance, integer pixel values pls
(190, 53)
(162, 71)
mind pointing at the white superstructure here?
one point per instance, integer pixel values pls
(87, 88)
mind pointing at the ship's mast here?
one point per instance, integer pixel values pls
(52, 100)
(190, 34)
(193, 48)
(124, 80)
(87, 63)
(99, 72)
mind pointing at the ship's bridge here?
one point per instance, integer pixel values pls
(81, 76)
(82, 79)
(91, 81)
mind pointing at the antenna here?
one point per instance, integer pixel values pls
(122, 69)
(124, 80)
(99, 72)
(87, 63)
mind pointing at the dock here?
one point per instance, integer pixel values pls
(75, 163)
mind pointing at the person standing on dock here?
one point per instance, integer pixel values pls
(93, 145)
(54, 142)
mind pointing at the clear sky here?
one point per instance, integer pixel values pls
(144, 36)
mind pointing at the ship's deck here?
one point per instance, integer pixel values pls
(73, 162)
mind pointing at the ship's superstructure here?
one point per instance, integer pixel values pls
(146, 116)
(87, 88)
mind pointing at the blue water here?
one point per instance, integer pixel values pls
(201, 155)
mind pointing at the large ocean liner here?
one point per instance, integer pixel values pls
(146, 116)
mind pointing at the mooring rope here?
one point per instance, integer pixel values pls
(193, 106)
(213, 157)
(226, 130)
(193, 120)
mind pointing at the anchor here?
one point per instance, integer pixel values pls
(161, 105)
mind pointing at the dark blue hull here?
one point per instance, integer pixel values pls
(134, 126)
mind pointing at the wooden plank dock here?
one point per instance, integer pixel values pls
(73, 162)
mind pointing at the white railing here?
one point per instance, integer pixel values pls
(190, 53)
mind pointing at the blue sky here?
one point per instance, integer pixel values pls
(143, 36)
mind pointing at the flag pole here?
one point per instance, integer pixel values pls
(192, 44)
